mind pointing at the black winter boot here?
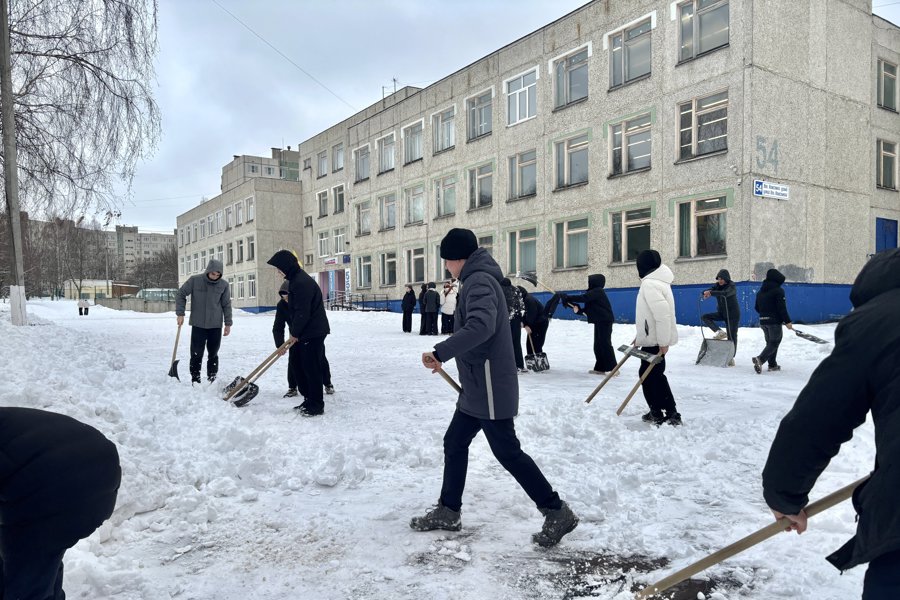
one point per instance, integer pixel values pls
(557, 523)
(654, 416)
(439, 517)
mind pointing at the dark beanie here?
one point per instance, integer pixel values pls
(285, 288)
(647, 262)
(505, 282)
(724, 274)
(458, 244)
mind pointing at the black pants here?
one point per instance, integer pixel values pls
(773, 335)
(515, 327)
(211, 339)
(306, 363)
(87, 309)
(883, 578)
(326, 369)
(731, 327)
(656, 388)
(407, 321)
(292, 379)
(32, 575)
(80, 311)
(422, 321)
(431, 327)
(501, 436)
(446, 323)
(535, 341)
(604, 357)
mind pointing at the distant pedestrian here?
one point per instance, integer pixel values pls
(432, 302)
(83, 307)
(282, 317)
(516, 308)
(489, 399)
(408, 305)
(599, 313)
(210, 306)
(727, 309)
(772, 308)
(423, 324)
(448, 306)
(656, 332)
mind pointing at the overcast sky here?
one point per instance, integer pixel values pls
(224, 91)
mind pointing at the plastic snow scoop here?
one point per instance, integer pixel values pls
(810, 337)
(173, 370)
(713, 352)
(531, 277)
(538, 361)
(241, 390)
(751, 540)
(623, 348)
(653, 359)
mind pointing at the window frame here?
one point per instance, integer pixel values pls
(381, 145)
(695, 124)
(567, 233)
(251, 247)
(408, 158)
(239, 246)
(517, 164)
(569, 146)
(322, 202)
(382, 212)
(413, 255)
(408, 198)
(229, 253)
(337, 157)
(385, 260)
(881, 155)
(251, 285)
(565, 62)
(514, 238)
(322, 164)
(251, 209)
(239, 287)
(881, 76)
(339, 239)
(530, 93)
(337, 193)
(440, 195)
(624, 146)
(364, 208)
(693, 216)
(443, 137)
(356, 162)
(622, 65)
(696, 12)
(238, 214)
(475, 114)
(626, 224)
(323, 240)
(476, 186)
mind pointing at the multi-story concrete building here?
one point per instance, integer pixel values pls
(736, 134)
(257, 213)
(127, 246)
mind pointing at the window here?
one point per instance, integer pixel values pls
(703, 27)
(523, 250)
(415, 204)
(389, 268)
(337, 158)
(386, 154)
(194, 232)
(323, 244)
(322, 162)
(387, 208)
(571, 244)
(364, 272)
(202, 228)
(229, 255)
(254, 169)
(340, 240)
(219, 253)
(440, 267)
(486, 242)
(523, 175)
(251, 247)
(415, 265)
(443, 126)
(181, 266)
(251, 209)
(886, 168)
(181, 237)
(363, 223)
(322, 201)
(704, 126)
(479, 112)
(635, 146)
(307, 221)
(362, 163)
(571, 78)
(238, 213)
(701, 228)
(309, 259)
(197, 262)
(887, 85)
(203, 260)
(220, 222)
(240, 287)
(572, 161)
(240, 251)
(229, 218)
(210, 225)
(412, 143)
(481, 180)
(251, 286)
(629, 54)
(630, 234)
(521, 97)
(338, 193)
(269, 171)
(445, 195)
(307, 163)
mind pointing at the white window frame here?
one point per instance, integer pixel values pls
(517, 165)
(441, 185)
(238, 214)
(337, 157)
(565, 149)
(240, 287)
(694, 214)
(414, 197)
(528, 93)
(323, 239)
(696, 112)
(229, 254)
(884, 155)
(385, 202)
(338, 193)
(239, 245)
(203, 229)
(251, 209)
(220, 221)
(562, 94)
(364, 272)
(409, 151)
(487, 242)
(194, 230)
(443, 129)
(210, 225)
(479, 181)
(364, 217)
(619, 66)
(413, 257)
(357, 162)
(388, 258)
(882, 77)
(386, 152)
(322, 163)
(229, 218)
(180, 237)
(628, 219)
(479, 114)
(340, 240)
(322, 202)
(625, 131)
(694, 19)
(568, 229)
(220, 254)
(251, 286)
(515, 244)
(251, 247)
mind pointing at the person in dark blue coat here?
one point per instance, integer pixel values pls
(59, 479)
(861, 376)
(772, 308)
(727, 309)
(599, 313)
(408, 305)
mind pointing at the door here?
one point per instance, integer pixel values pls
(885, 234)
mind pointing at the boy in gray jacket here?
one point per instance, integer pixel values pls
(489, 399)
(210, 304)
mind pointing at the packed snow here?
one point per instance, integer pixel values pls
(257, 503)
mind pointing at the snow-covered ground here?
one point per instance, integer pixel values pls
(255, 503)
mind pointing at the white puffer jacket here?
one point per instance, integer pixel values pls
(655, 311)
(448, 301)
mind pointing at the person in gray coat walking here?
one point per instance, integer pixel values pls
(210, 305)
(489, 399)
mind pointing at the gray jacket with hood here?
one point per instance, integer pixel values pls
(210, 300)
(481, 343)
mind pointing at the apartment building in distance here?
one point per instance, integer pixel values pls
(734, 134)
(127, 246)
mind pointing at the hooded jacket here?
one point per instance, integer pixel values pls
(597, 308)
(59, 479)
(770, 301)
(409, 301)
(307, 318)
(862, 374)
(481, 343)
(655, 309)
(514, 297)
(534, 312)
(210, 300)
(726, 297)
(431, 300)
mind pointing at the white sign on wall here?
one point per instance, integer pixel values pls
(767, 189)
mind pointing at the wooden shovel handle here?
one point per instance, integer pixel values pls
(609, 376)
(258, 370)
(175, 349)
(634, 389)
(449, 380)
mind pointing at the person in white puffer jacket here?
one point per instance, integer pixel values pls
(448, 306)
(656, 332)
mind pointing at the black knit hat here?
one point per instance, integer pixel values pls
(285, 288)
(647, 262)
(458, 244)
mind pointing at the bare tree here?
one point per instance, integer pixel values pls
(159, 271)
(84, 109)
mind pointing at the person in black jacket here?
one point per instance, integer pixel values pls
(432, 304)
(535, 323)
(282, 317)
(516, 308)
(423, 323)
(408, 305)
(308, 326)
(772, 308)
(860, 376)
(59, 479)
(599, 312)
(727, 309)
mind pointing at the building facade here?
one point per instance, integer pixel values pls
(738, 134)
(126, 246)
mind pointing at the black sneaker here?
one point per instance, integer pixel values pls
(329, 389)
(654, 416)
(557, 523)
(757, 365)
(305, 411)
(290, 393)
(439, 517)
(211, 378)
(674, 419)
(195, 379)
(775, 368)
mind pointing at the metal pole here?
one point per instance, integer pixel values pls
(10, 167)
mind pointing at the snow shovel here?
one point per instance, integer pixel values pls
(173, 370)
(245, 390)
(448, 378)
(751, 540)
(653, 359)
(713, 352)
(611, 374)
(531, 278)
(536, 362)
(810, 337)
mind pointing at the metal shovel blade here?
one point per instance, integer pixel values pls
(245, 395)
(715, 353)
(173, 370)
